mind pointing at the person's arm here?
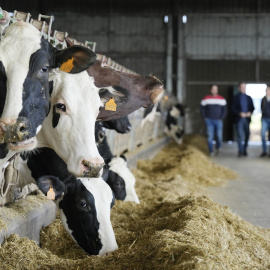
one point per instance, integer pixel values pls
(252, 108)
(224, 110)
(202, 109)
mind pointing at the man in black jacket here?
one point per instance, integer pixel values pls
(242, 108)
(265, 106)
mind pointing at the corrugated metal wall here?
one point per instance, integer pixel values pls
(137, 42)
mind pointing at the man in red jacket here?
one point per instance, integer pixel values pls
(213, 111)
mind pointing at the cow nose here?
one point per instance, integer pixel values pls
(14, 132)
(91, 168)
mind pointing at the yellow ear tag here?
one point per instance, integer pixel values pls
(51, 194)
(110, 105)
(166, 97)
(67, 66)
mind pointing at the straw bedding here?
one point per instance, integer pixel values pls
(170, 229)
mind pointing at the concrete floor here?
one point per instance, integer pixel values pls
(248, 197)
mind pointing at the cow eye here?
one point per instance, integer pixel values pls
(61, 106)
(45, 69)
(82, 204)
(101, 135)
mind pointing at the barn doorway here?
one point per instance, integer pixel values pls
(257, 92)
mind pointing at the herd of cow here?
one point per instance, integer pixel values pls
(53, 118)
(61, 112)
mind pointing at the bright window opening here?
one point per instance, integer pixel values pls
(257, 92)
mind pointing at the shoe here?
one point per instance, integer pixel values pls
(245, 153)
(211, 154)
(263, 154)
(240, 154)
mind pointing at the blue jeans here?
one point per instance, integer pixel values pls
(265, 128)
(242, 128)
(214, 127)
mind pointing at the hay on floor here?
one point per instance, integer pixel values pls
(189, 233)
(170, 229)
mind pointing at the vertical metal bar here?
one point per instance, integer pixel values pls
(169, 59)
(175, 19)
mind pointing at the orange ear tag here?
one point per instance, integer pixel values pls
(110, 105)
(166, 97)
(67, 66)
(51, 194)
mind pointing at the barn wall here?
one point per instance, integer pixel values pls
(222, 49)
(136, 42)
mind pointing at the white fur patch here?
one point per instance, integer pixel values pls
(103, 199)
(151, 116)
(20, 41)
(174, 112)
(38, 129)
(119, 166)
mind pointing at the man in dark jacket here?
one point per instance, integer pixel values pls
(242, 108)
(213, 111)
(265, 106)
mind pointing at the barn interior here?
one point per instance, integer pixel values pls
(196, 211)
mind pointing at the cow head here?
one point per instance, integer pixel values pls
(120, 125)
(121, 180)
(130, 91)
(25, 60)
(69, 128)
(84, 205)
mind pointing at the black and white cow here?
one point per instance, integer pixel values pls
(172, 128)
(69, 127)
(84, 203)
(115, 171)
(25, 60)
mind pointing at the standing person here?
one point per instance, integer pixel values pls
(265, 106)
(213, 111)
(242, 108)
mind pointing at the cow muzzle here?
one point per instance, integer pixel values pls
(16, 133)
(91, 168)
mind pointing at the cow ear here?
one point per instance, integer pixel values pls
(45, 182)
(74, 59)
(120, 95)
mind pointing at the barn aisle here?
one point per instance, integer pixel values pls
(248, 197)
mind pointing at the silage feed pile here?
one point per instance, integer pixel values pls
(170, 229)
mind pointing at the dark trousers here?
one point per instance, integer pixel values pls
(242, 127)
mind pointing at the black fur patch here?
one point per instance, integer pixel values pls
(120, 125)
(3, 87)
(3, 150)
(56, 117)
(117, 184)
(50, 87)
